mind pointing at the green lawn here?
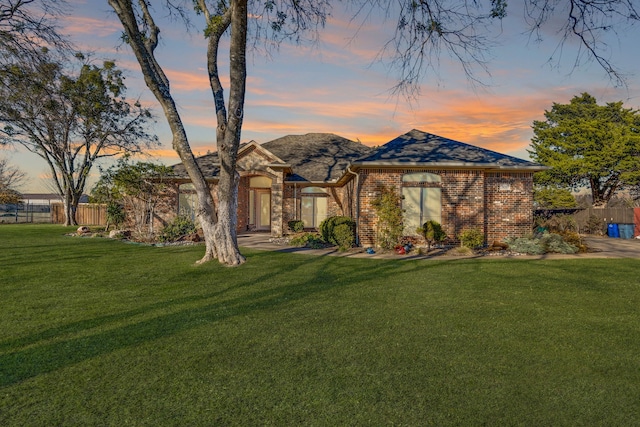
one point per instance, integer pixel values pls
(100, 332)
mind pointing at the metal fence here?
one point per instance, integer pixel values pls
(25, 212)
(29, 212)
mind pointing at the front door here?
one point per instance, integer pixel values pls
(263, 209)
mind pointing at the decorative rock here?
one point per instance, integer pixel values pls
(119, 234)
(498, 246)
(83, 230)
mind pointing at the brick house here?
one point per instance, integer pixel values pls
(310, 177)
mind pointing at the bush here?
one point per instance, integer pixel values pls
(432, 232)
(560, 223)
(525, 245)
(595, 225)
(328, 226)
(460, 251)
(389, 212)
(179, 227)
(309, 240)
(344, 235)
(548, 243)
(471, 238)
(296, 226)
(554, 243)
(115, 214)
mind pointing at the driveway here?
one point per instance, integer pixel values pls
(599, 247)
(606, 247)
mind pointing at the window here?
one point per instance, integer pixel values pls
(314, 211)
(187, 201)
(313, 190)
(259, 182)
(313, 206)
(421, 177)
(420, 203)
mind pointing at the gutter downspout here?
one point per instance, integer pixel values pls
(357, 195)
(295, 201)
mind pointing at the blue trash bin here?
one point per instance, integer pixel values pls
(626, 231)
(613, 231)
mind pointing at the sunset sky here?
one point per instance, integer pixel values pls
(337, 86)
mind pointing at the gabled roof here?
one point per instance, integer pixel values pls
(316, 157)
(313, 157)
(325, 157)
(209, 164)
(418, 148)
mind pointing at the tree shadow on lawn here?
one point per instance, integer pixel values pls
(36, 355)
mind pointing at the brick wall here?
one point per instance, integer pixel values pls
(463, 193)
(509, 205)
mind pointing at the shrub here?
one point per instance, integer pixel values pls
(595, 225)
(554, 243)
(471, 238)
(344, 236)
(296, 226)
(460, 251)
(432, 232)
(389, 212)
(560, 223)
(548, 243)
(115, 214)
(309, 240)
(179, 227)
(328, 226)
(525, 245)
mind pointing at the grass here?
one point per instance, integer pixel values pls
(100, 332)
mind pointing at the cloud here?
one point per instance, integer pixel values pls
(79, 27)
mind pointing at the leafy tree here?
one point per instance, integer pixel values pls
(138, 187)
(550, 197)
(70, 119)
(424, 30)
(10, 179)
(587, 144)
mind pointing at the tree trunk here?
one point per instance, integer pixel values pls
(228, 140)
(70, 208)
(156, 80)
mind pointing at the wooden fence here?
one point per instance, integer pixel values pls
(87, 214)
(608, 215)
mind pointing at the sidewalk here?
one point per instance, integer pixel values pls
(600, 247)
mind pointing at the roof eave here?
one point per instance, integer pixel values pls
(447, 165)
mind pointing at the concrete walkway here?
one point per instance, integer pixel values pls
(600, 247)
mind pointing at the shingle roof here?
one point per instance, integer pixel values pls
(418, 147)
(316, 157)
(209, 164)
(324, 157)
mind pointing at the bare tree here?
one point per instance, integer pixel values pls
(468, 30)
(28, 26)
(10, 180)
(282, 19)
